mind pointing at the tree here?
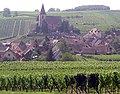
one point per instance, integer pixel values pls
(65, 26)
(57, 10)
(51, 10)
(50, 56)
(67, 57)
(63, 46)
(36, 10)
(6, 12)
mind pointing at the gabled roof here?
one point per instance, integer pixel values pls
(42, 10)
(18, 46)
(10, 50)
(93, 33)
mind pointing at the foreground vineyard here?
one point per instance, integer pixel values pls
(57, 76)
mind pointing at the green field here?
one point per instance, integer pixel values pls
(84, 20)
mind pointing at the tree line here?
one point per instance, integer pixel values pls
(89, 7)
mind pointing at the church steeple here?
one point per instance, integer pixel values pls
(43, 10)
(42, 16)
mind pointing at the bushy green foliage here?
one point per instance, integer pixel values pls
(67, 57)
(62, 46)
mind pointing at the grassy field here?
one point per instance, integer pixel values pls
(84, 20)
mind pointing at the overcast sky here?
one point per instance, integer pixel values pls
(31, 5)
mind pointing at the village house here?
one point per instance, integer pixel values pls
(97, 43)
(75, 44)
(22, 49)
(7, 54)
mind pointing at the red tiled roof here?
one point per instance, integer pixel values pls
(53, 21)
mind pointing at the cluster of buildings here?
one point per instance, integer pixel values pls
(94, 42)
(14, 51)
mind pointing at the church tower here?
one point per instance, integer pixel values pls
(42, 16)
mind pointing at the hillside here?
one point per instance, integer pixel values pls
(84, 20)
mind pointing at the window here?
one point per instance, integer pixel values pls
(8, 54)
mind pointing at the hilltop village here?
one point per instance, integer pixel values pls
(57, 37)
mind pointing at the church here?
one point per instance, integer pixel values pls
(52, 23)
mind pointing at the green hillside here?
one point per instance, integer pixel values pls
(84, 20)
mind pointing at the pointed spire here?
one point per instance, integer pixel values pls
(43, 10)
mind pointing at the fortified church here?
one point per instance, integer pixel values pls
(51, 23)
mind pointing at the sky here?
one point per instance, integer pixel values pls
(31, 5)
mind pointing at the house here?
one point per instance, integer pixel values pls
(27, 55)
(53, 22)
(56, 52)
(18, 46)
(74, 44)
(22, 49)
(101, 49)
(9, 55)
(93, 33)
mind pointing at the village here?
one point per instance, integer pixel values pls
(59, 39)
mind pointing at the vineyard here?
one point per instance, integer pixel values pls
(61, 77)
(15, 27)
(84, 20)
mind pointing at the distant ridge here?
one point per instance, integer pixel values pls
(89, 7)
